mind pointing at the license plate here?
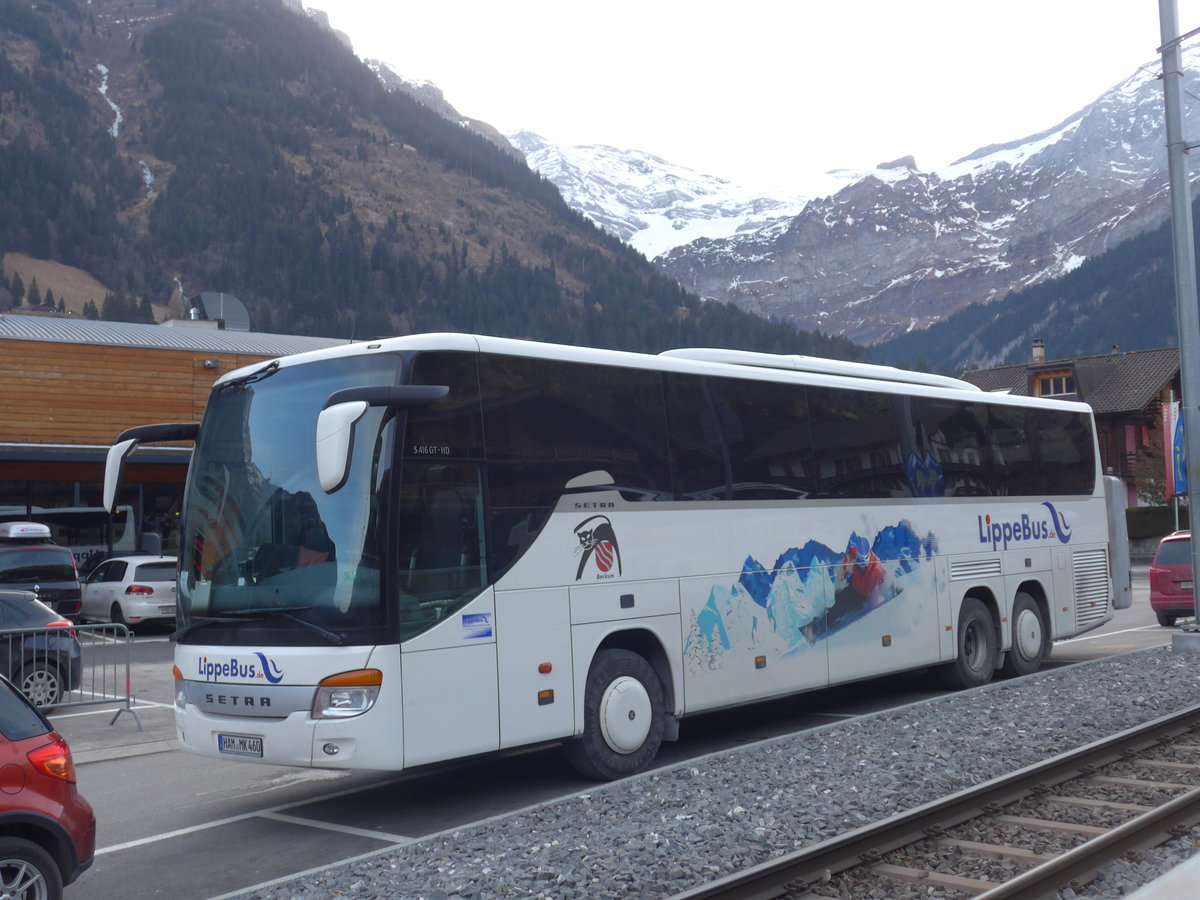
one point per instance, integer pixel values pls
(240, 744)
(167, 610)
(1185, 585)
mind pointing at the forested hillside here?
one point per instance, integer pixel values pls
(235, 145)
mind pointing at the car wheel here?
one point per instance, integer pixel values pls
(623, 717)
(27, 871)
(1165, 619)
(1029, 637)
(40, 681)
(976, 647)
(116, 615)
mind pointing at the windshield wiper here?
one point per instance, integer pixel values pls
(257, 375)
(200, 622)
(283, 612)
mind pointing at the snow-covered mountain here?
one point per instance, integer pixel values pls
(654, 205)
(902, 249)
(874, 255)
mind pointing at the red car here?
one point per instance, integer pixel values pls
(1171, 594)
(47, 830)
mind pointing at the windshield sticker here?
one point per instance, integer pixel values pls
(999, 534)
(477, 625)
(598, 544)
(810, 593)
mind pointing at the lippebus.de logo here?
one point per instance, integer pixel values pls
(1000, 533)
(212, 670)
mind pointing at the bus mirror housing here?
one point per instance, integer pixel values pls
(335, 439)
(128, 440)
(344, 409)
(114, 470)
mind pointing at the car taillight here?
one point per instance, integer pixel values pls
(54, 759)
(139, 589)
(62, 623)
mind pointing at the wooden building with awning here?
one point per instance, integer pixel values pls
(69, 386)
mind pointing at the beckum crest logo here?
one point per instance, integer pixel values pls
(1000, 533)
(598, 543)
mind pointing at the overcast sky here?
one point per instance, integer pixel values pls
(767, 93)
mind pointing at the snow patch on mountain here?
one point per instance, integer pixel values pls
(653, 204)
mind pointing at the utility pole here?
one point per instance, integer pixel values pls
(1183, 238)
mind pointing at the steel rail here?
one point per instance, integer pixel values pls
(1147, 830)
(809, 865)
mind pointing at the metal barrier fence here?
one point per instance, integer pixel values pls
(71, 665)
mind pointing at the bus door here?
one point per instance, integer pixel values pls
(447, 615)
(885, 616)
(743, 644)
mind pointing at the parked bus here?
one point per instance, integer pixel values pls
(81, 528)
(427, 547)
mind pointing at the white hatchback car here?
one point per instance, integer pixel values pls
(130, 590)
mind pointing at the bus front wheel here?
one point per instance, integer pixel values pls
(623, 717)
(976, 647)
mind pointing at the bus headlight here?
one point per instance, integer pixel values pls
(346, 694)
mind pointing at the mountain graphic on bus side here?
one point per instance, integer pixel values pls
(810, 592)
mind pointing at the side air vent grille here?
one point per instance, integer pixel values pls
(976, 568)
(1091, 586)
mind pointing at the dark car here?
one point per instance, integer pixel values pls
(30, 561)
(1171, 595)
(47, 830)
(39, 650)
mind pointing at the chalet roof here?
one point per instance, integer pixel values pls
(1109, 383)
(69, 330)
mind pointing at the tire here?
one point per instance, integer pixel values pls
(976, 639)
(27, 871)
(624, 718)
(1030, 638)
(42, 683)
(1166, 620)
(116, 615)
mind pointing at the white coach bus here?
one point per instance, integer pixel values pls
(433, 546)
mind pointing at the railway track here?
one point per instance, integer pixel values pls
(1023, 835)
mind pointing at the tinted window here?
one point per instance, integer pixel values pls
(155, 572)
(1036, 452)
(18, 719)
(950, 455)
(28, 564)
(857, 443)
(452, 427)
(549, 422)
(1064, 441)
(1174, 553)
(115, 571)
(739, 440)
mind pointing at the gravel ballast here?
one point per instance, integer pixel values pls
(660, 833)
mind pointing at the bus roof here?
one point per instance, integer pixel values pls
(834, 373)
(819, 365)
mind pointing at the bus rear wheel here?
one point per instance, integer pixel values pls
(623, 717)
(1029, 638)
(976, 648)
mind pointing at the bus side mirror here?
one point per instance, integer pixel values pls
(335, 439)
(343, 409)
(130, 438)
(114, 470)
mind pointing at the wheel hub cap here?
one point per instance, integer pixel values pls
(625, 715)
(1028, 634)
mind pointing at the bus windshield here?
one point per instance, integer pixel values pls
(266, 556)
